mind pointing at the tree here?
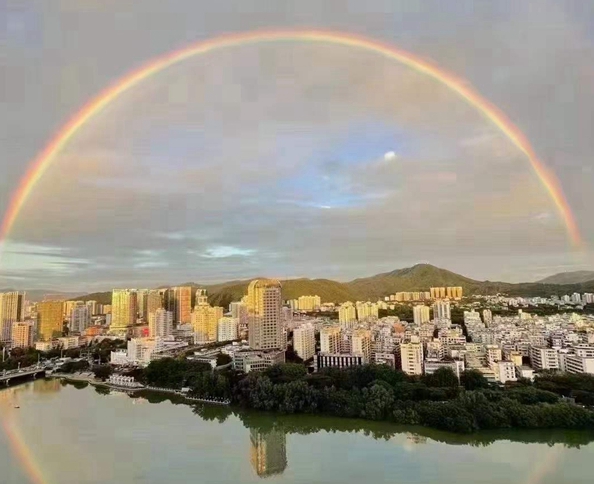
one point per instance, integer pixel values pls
(102, 372)
(473, 380)
(223, 359)
(442, 377)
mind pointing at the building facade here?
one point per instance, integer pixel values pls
(50, 320)
(264, 303)
(304, 341)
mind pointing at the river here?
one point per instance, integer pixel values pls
(76, 434)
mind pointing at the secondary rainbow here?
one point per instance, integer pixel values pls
(46, 157)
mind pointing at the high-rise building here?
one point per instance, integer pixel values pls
(68, 306)
(421, 314)
(308, 303)
(160, 323)
(330, 340)
(93, 307)
(179, 302)
(205, 319)
(80, 318)
(124, 309)
(411, 357)
(227, 329)
(347, 313)
(142, 297)
(361, 344)
(304, 341)
(487, 317)
(154, 301)
(11, 311)
(367, 310)
(264, 302)
(50, 320)
(22, 334)
(268, 452)
(441, 309)
(239, 311)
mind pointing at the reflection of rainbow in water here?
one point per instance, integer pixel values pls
(46, 157)
(22, 450)
(546, 465)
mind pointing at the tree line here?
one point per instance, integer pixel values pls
(375, 392)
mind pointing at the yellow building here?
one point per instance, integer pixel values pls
(265, 326)
(22, 335)
(153, 302)
(11, 311)
(124, 309)
(50, 320)
(347, 313)
(205, 319)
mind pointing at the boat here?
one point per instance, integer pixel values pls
(17, 406)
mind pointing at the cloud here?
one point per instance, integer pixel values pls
(280, 147)
(225, 251)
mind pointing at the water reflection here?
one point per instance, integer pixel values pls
(267, 439)
(268, 452)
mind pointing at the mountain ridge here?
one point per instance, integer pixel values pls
(415, 278)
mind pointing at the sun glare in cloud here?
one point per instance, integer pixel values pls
(389, 156)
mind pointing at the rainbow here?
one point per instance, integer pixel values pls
(47, 156)
(23, 453)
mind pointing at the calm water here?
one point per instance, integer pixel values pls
(63, 434)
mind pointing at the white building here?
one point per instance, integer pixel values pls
(544, 358)
(330, 340)
(579, 364)
(442, 310)
(431, 366)
(141, 350)
(160, 323)
(505, 371)
(411, 358)
(80, 318)
(304, 341)
(227, 329)
(69, 342)
(254, 360)
(361, 344)
(421, 314)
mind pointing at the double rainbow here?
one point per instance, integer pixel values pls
(46, 157)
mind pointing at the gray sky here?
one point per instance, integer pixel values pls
(268, 159)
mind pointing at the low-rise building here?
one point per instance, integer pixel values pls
(256, 360)
(431, 366)
(543, 358)
(337, 360)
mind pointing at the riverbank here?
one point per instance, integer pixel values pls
(98, 383)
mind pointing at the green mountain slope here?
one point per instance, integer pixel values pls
(575, 277)
(416, 278)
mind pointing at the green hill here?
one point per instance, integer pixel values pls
(416, 278)
(575, 277)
